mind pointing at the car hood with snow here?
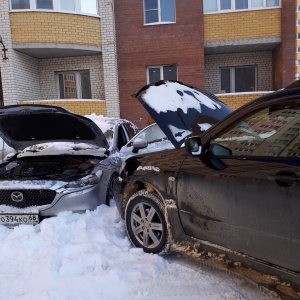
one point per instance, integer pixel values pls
(181, 110)
(22, 126)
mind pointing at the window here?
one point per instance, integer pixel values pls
(298, 7)
(241, 4)
(20, 4)
(298, 22)
(151, 134)
(44, 4)
(225, 4)
(213, 6)
(78, 6)
(68, 5)
(74, 85)
(238, 79)
(278, 139)
(159, 11)
(168, 72)
(272, 3)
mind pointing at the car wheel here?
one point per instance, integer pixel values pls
(110, 188)
(145, 223)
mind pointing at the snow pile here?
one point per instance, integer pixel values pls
(88, 256)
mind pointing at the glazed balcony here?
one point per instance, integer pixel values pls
(242, 31)
(50, 34)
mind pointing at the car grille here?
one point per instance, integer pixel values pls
(30, 198)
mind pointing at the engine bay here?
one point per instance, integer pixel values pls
(65, 168)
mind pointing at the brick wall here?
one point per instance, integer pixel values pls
(79, 106)
(57, 28)
(109, 54)
(6, 66)
(26, 77)
(284, 54)
(235, 101)
(242, 25)
(263, 61)
(49, 67)
(140, 45)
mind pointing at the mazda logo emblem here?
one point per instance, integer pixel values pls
(17, 196)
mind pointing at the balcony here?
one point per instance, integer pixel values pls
(52, 34)
(242, 31)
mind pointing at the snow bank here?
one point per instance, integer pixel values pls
(88, 256)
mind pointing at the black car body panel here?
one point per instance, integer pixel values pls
(250, 205)
(178, 108)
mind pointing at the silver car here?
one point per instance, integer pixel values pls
(150, 139)
(62, 161)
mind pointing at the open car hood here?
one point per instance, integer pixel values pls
(22, 126)
(181, 110)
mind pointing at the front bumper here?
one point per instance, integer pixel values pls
(64, 199)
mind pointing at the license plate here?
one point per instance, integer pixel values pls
(19, 219)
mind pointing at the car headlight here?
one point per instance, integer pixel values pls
(87, 180)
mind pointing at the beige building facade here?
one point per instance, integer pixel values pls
(60, 54)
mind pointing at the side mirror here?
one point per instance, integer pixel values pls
(193, 146)
(139, 144)
(219, 150)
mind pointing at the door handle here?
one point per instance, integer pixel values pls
(285, 179)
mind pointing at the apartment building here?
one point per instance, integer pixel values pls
(59, 52)
(238, 49)
(91, 55)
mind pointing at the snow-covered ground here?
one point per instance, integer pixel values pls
(88, 256)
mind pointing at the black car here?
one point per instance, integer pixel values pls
(233, 189)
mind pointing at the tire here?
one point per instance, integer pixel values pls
(110, 188)
(151, 234)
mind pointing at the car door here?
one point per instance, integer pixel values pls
(243, 194)
(155, 138)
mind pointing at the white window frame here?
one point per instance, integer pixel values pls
(159, 15)
(161, 70)
(298, 22)
(232, 78)
(297, 49)
(77, 80)
(233, 9)
(298, 8)
(56, 8)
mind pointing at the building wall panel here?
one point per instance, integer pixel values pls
(56, 28)
(242, 25)
(49, 67)
(263, 61)
(80, 107)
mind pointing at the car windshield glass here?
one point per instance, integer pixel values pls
(273, 131)
(151, 134)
